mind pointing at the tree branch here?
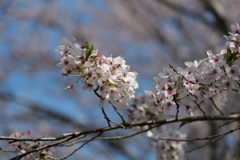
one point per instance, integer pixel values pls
(211, 99)
(78, 147)
(129, 125)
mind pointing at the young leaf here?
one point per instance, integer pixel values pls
(183, 123)
(89, 50)
(230, 56)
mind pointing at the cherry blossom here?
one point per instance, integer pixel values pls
(25, 146)
(233, 71)
(235, 30)
(169, 150)
(111, 75)
(196, 84)
(199, 82)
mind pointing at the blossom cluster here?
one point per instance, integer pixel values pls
(110, 76)
(189, 87)
(169, 150)
(194, 85)
(22, 147)
(145, 108)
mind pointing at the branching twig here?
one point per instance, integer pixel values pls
(128, 136)
(106, 117)
(211, 99)
(168, 139)
(178, 106)
(78, 147)
(201, 84)
(104, 113)
(42, 148)
(108, 120)
(134, 124)
(123, 137)
(118, 113)
(70, 136)
(200, 108)
(95, 91)
(205, 138)
(199, 147)
(117, 123)
(72, 142)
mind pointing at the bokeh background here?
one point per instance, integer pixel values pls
(150, 34)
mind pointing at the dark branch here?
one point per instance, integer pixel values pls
(200, 108)
(211, 99)
(134, 124)
(106, 117)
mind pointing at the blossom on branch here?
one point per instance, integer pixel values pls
(188, 88)
(22, 147)
(169, 150)
(111, 75)
(194, 85)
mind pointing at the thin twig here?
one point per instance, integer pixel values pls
(104, 113)
(72, 142)
(211, 99)
(95, 91)
(235, 90)
(5, 150)
(200, 108)
(236, 112)
(78, 147)
(168, 139)
(123, 137)
(115, 109)
(42, 148)
(106, 117)
(117, 123)
(227, 123)
(178, 106)
(186, 78)
(204, 138)
(199, 147)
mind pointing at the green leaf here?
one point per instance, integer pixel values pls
(183, 123)
(230, 56)
(89, 50)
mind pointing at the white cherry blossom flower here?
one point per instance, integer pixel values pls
(235, 30)
(169, 150)
(166, 72)
(233, 71)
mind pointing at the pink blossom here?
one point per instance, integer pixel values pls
(233, 71)
(235, 30)
(70, 87)
(166, 73)
(25, 146)
(166, 150)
